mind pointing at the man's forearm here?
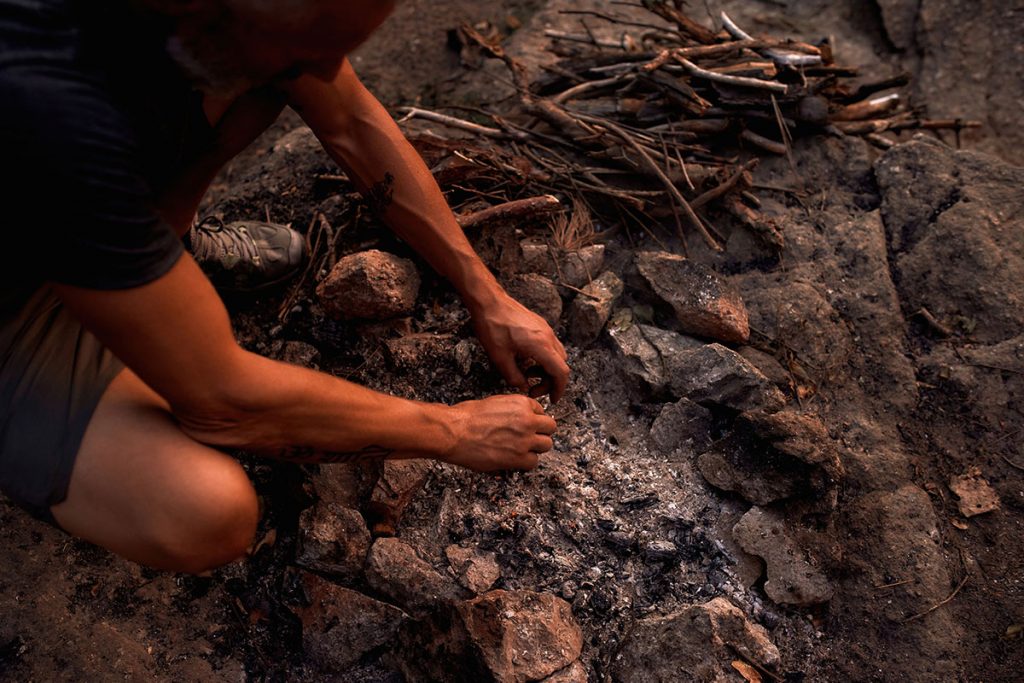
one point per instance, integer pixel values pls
(363, 139)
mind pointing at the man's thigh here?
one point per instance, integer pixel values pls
(143, 489)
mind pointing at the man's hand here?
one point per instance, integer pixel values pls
(500, 433)
(512, 335)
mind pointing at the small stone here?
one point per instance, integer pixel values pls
(414, 350)
(300, 353)
(705, 305)
(394, 569)
(340, 626)
(660, 551)
(975, 494)
(592, 307)
(715, 374)
(333, 540)
(538, 294)
(474, 570)
(731, 469)
(574, 268)
(398, 484)
(792, 579)
(647, 350)
(521, 635)
(371, 284)
(683, 423)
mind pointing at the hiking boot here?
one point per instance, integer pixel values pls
(246, 256)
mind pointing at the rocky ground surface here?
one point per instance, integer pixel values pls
(803, 466)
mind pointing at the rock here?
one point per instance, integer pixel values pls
(758, 482)
(697, 643)
(574, 268)
(767, 364)
(592, 308)
(397, 485)
(371, 284)
(394, 569)
(413, 350)
(333, 540)
(344, 484)
(520, 635)
(646, 349)
(340, 626)
(660, 551)
(683, 423)
(899, 17)
(792, 579)
(538, 294)
(717, 375)
(975, 494)
(300, 353)
(574, 673)
(770, 457)
(474, 570)
(705, 305)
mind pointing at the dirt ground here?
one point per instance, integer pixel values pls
(622, 520)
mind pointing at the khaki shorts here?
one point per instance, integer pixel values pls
(52, 376)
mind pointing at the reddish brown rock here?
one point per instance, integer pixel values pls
(397, 485)
(520, 635)
(575, 268)
(333, 540)
(340, 626)
(705, 305)
(394, 569)
(539, 294)
(371, 284)
(475, 570)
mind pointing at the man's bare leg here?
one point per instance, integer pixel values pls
(144, 490)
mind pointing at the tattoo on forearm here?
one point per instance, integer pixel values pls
(308, 454)
(381, 195)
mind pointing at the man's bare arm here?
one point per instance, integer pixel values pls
(176, 335)
(358, 133)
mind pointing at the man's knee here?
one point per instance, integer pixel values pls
(215, 524)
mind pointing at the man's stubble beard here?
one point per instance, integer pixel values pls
(212, 69)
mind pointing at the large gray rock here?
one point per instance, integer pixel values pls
(682, 424)
(704, 303)
(697, 643)
(718, 375)
(647, 350)
(340, 626)
(371, 284)
(792, 578)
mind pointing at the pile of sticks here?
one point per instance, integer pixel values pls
(667, 122)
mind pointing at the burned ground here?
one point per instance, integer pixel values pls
(808, 479)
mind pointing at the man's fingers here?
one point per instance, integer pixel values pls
(511, 372)
(545, 425)
(542, 444)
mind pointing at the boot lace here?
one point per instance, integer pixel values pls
(212, 239)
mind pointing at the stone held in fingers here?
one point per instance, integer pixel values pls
(792, 579)
(340, 626)
(593, 306)
(705, 305)
(333, 539)
(538, 294)
(371, 284)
